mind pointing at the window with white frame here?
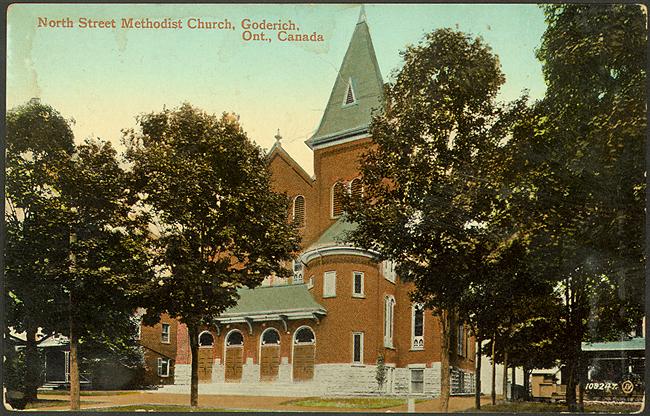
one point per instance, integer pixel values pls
(357, 284)
(163, 367)
(357, 347)
(298, 217)
(389, 310)
(417, 380)
(329, 284)
(310, 282)
(297, 271)
(388, 270)
(460, 339)
(417, 326)
(338, 192)
(164, 334)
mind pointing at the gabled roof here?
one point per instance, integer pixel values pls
(294, 301)
(360, 70)
(278, 151)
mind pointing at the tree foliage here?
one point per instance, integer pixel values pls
(219, 225)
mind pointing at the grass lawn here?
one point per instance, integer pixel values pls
(160, 408)
(85, 393)
(349, 402)
(534, 407)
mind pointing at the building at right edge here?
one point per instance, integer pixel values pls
(324, 329)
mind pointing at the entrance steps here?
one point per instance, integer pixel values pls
(278, 389)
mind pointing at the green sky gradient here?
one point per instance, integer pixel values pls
(103, 78)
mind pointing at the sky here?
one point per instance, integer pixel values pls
(104, 77)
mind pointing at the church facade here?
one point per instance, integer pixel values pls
(343, 311)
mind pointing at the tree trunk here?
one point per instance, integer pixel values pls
(505, 375)
(74, 366)
(571, 385)
(526, 383)
(445, 326)
(494, 372)
(32, 365)
(581, 386)
(193, 333)
(477, 393)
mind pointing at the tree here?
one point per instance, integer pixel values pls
(583, 151)
(220, 226)
(427, 183)
(109, 261)
(380, 374)
(39, 141)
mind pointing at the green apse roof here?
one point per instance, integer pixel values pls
(335, 234)
(274, 300)
(359, 70)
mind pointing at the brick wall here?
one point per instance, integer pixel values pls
(154, 348)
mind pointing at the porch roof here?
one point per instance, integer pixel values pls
(292, 301)
(634, 344)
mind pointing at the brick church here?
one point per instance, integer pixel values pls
(325, 328)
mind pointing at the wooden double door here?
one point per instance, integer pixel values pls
(269, 362)
(205, 365)
(234, 363)
(303, 361)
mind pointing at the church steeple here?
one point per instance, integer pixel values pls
(357, 90)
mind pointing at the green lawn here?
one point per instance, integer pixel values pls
(49, 403)
(85, 393)
(349, 402)
(161, 408)
(533, 407)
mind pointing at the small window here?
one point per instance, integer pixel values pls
(310, 282)
(271, 337)
(357, 347)
(298, 217)
(417, 380)
(164, 335)
(357, 284)
(297, 271)
(389, 309)
(418, 327)
(206, 339)
(235, 338)
(329, 284)
(138, 333)
(388, 270)
(350, 97)
(163, 367)
(338, 191)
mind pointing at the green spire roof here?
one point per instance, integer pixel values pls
(358, 90)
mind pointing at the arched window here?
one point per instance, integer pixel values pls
(338, 191)
(356, 188)
(206, 339)
(389, 310)
(298, 217)
(417, 328)
(234, 338)
(304, 335)
(271, 337)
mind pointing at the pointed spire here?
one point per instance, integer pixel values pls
(362, 14)
(358, 89)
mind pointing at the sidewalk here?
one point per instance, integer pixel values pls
(244, 403)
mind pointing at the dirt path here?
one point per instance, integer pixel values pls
(244, 402)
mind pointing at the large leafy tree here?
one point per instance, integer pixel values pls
(220, 226)
(583, 181)
(109, 247)
(427, 183)
(39, 141)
